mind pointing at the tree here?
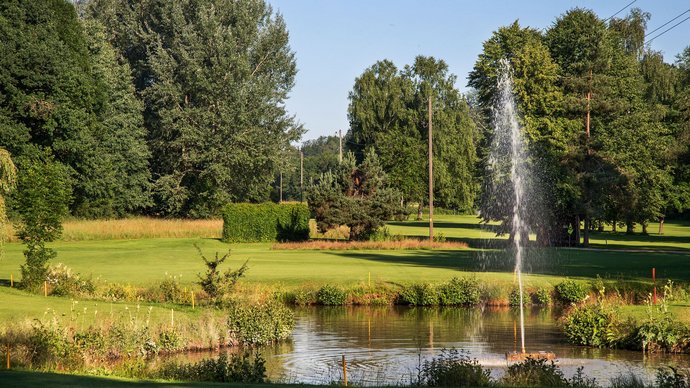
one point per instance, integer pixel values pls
(64, 92)
(42, 200)
(355, 196)
(8, 180)
(388, 112)
(214, 75)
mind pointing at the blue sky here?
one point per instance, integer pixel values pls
(335, 41)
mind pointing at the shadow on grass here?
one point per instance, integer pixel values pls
(543, 261)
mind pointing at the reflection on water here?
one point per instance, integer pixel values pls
(387, 344)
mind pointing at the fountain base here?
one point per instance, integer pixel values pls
(541, 355)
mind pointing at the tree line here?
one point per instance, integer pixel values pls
(177, 108)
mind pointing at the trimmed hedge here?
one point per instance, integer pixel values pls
(247, 222)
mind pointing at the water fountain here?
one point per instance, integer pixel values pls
(508, 158)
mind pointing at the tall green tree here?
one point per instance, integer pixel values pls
(42, 200)
(214, 75)
(57, 92)
(8, 180)
(388, 112)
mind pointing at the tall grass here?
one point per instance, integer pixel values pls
(134, 228)
(373, 245)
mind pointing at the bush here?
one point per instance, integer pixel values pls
(245, 222)
(64, 282)
(671, 377)
(419, 294)
(460, 291)
(331, 296)
(453, 368)
(303, 297)
(261, 324)
(542, 296)
(593, 325)
(240, 368)
(660, 331)
(215, 283)
(533, 372)
(570, 291)
(514, 298)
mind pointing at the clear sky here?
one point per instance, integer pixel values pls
(335, 41)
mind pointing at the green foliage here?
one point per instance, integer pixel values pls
(216, 283)
(542, 296)
(245, 367)
(419, 294)
(66, 283)
(672, 377)
(261, 324)
(459, 292)
(534, 372)
(570, 291)
(331, 296)
(356, 196)
(245, 222)
(388, 112)
(514, 298)
(453, 368)
(8, 180)
(43, 194)
(660, 331)
(593, 325)
(214, 86)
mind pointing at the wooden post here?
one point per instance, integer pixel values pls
(301, 175)
(431, 177)
(8, 356)
(172, 318)
(369, 279)
(654, 280)
(344, 371)
(45, 288)
(11, 280)
(192, 300)
(340, 149)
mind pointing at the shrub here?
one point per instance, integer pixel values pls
(240, 368)
(453, 368)
(260, 324)
(460, 291)
(570, 291)
(660, 331)
(418, 294)
(245, 222)
(331, 296)
(514, 298)
(214, 283)
(671, 377)
(535, 372)
(542, 296)
(593, 325)
(64, 282)
(304, 296)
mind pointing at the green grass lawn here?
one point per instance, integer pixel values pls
(145, 261)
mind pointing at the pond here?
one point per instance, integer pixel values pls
(385, 345)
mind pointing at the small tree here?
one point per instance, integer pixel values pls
(355, 196)
(214, 282)
(8, 179)
(43, 196)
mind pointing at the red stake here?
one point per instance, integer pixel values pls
(654, 280)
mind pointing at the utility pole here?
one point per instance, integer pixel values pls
(585, 240)
(281, 187)
(340, 152)
(431, 178)
(301, 175)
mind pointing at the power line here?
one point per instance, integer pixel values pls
(620, 10)
(665, 24)
(667, 30)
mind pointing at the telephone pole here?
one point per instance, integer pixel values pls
(281, 187)
(301, 175)
(340, 152)
(431, 178)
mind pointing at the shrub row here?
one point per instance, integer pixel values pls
(265, 222)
